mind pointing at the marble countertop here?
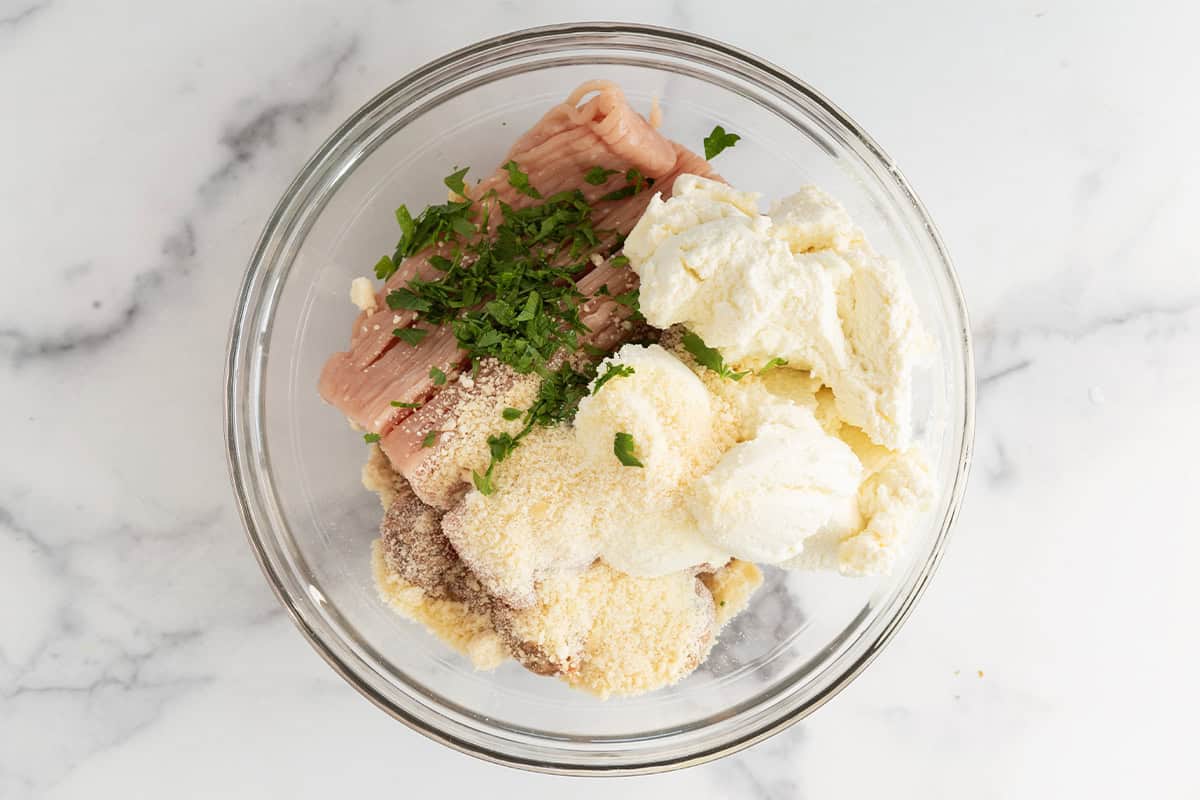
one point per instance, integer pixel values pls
(144, 144)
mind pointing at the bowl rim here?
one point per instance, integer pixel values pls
(282, 218)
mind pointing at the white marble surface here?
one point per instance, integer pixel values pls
(143, 144)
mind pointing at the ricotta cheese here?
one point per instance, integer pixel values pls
(800, 283)
(767, 495)
(897, 487)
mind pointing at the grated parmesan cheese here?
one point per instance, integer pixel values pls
(610, 633)
(467, 632)
(471, 417)
(600, 630)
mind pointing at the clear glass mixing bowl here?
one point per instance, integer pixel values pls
(295, 464)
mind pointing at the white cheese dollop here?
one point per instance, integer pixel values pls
(799, 284)
(896, 488)
(767, 495)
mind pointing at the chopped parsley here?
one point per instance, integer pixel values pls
(717, 141)
(632, 301)
(709, 357)
(385, 268)
(520, 181)
(501, 446)
(455, 183)
(772, 364)
(410, 336)
(559, 395)
(513, 297)
(619, 261)
(370, 438)
(405, 299)
(429, 439)
(634, 183)
(598, 175)
(483, 481)
(623, 447)
(435, 225)
(398, 404)
(619, 194)
(510, 295)
(408, 226)
(613, 371)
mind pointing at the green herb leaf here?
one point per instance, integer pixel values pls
(487, 293)
(520, 181)
(772, 364)
(634, 183)
(398, 404)
(435, 225)
(717, 141)
(410, 336)
(463, 226)
(429, 439)
(501, 446)
(405, 298)
(631, 300)
(709, 357)
(598, 175)
(437, 376)
(623, 447)
(483, 481)
(620, 194)
(613, 371)
(370, 438)
(455, 183)
(511, 413)
(385, 268)
(619, 261)
(533, 305)
(408, 227)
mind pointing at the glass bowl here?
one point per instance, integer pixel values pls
(295, 464)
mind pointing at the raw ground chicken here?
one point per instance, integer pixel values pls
(595, 627)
